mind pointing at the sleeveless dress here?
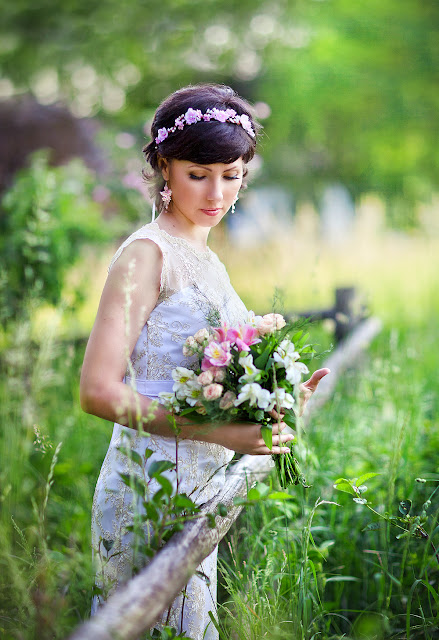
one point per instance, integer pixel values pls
(194, 285)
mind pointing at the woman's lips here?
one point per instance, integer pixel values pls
(211, 212)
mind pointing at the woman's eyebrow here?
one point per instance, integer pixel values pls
(203, 166)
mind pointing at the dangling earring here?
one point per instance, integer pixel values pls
(166, 195)
(232, 210)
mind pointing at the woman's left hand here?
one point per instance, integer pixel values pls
(307, 388)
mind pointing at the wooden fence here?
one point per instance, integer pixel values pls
(135, 607)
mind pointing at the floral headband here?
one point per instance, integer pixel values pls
(195, 115)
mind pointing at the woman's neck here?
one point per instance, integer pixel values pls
(177, 225)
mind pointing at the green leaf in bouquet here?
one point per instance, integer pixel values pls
(259, 415)
(290, 419)
(267, 435)
(261, 361)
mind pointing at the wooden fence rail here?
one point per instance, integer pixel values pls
(136, 607)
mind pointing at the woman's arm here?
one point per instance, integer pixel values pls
(129, 296)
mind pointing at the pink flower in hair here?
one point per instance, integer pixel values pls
(162, 134)
(219, 115)
(246, 125)
(179, 122)
(244, 336)
(193, 115)
(216, 354)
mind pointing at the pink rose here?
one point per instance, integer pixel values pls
(213, 391)
(219, 374)
(199, 408)
(270, 323)
(201, 335)
(206, 377)
(227, 401)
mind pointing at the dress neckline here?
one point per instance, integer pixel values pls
(183, 242)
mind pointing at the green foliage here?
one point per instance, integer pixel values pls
(351, 86)
(45, 219)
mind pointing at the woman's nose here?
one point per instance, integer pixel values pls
(215, 191)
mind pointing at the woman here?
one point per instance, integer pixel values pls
(164, 284)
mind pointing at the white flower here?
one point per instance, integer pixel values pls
(294, 371)
(246, 362)
(169, 401)
(280, 398)
(253, 320)
(189, 391)
(255, 395)
(182, 375)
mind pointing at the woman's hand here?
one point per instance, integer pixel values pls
(245, 437)
(307, 388)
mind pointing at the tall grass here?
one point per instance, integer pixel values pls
(356, 583)
(291, 570)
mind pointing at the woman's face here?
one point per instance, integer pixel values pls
(202, 193)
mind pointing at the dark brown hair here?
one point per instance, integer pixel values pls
(202, 142)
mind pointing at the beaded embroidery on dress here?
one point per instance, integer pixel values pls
(194, 286)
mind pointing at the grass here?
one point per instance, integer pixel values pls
(291, 570)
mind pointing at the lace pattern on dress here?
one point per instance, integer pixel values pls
(194, 287)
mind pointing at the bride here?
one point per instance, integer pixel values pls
(163, 285)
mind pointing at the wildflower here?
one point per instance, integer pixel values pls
(255, 395)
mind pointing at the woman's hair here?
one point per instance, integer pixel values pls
(202, 142)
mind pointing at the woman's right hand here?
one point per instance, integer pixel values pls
(245, 437)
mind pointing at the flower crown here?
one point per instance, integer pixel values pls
(195, 115)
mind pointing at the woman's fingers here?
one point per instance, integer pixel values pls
(277, 416)
(276, 427)
(313, 382)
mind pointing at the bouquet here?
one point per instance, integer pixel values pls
(242, 373)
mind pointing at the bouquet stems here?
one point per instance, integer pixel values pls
(288, 470)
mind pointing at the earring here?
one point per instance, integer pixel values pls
(232, 210)
(166, 195)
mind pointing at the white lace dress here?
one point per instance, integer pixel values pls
(193, 285)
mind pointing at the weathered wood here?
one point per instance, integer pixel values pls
(139, 604)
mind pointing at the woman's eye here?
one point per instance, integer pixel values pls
(231, 177)
(192, 176)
